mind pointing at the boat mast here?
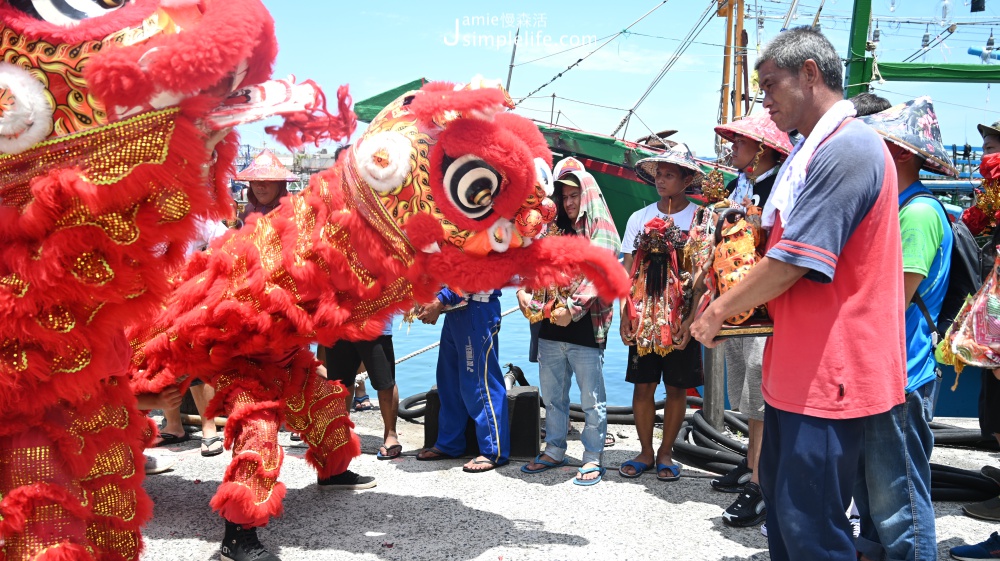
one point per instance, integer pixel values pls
(510, 71)
(726, 10)
(739, 47)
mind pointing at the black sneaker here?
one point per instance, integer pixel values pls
(347, 481)
(748, 510)
(241, 544)
(735, 480)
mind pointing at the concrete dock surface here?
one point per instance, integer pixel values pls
(435, 511)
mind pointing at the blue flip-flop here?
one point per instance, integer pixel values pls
(588, 482)
(675, 471)
(548, 465)
(638, 466)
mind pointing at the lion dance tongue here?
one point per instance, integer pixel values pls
(108, 114)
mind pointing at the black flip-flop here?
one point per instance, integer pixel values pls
(207, 443)
(391, 452)
(167, 439)
(438, 455)
(477, 461)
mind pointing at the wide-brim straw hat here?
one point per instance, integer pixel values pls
(913, 126)
(679, 155)
(759, 128)
(989, 130)
(266, 167)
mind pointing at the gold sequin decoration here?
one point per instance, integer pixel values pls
(17, 285)
(397, 291)
(106, 154)
(117, 225)
(171, 204)
(122, 542)
(268, 243)
(114, 502)
(12, 355)
(305, 222)
(238, 288)
(57, 522)
(57, 318)
(25, 466)
(72, 361)
(340, 239)
(92, 268)
(93, 312)
(106, 416)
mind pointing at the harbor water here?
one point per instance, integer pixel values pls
(416, 374)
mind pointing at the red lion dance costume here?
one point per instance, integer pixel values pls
(444, 188)
(106, 158)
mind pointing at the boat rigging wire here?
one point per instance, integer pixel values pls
(585, 57)
(563, 51)
(698, 27)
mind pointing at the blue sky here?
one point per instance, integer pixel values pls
(374, 46)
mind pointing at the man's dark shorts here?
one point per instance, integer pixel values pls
(344, 358)
(679, 369)
(989, 404)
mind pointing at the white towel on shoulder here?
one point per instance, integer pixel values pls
(793, 173)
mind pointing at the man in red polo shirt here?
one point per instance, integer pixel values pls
(832, 278)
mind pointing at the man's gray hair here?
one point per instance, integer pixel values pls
(793, 47)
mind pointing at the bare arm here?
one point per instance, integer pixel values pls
(767, 280)
(910, 283)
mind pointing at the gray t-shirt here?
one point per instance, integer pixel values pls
(843, 182)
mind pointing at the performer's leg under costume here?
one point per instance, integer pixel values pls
(71, 485)
(470, 383)
(257, 398)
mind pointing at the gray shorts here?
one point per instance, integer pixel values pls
(744, 359)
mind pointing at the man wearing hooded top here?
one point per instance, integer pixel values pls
(573, 338)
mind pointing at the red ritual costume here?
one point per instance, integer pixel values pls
(110, 154)
(444, 188)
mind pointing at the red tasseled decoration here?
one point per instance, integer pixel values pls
(553, 260)
(236, 503)
(65, 551)
(423, 230)
(438, 98)
(318, 124)
(528, 133)
(227, 34)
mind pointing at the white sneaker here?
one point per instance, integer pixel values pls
(763, 529)
(159, 461)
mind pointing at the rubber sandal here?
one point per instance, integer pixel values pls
(548, 465)
(206, 446)
(391, 452)
(167, 439)
(639, 467)
(589, 482)
(361, 399)
(493, 465)
(438, 456)
(674, 469)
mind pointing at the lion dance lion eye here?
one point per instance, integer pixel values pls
(471, 185)
(67, 12)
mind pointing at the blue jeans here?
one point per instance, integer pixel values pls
(893, 489)
(556, 364)
(807, 471)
